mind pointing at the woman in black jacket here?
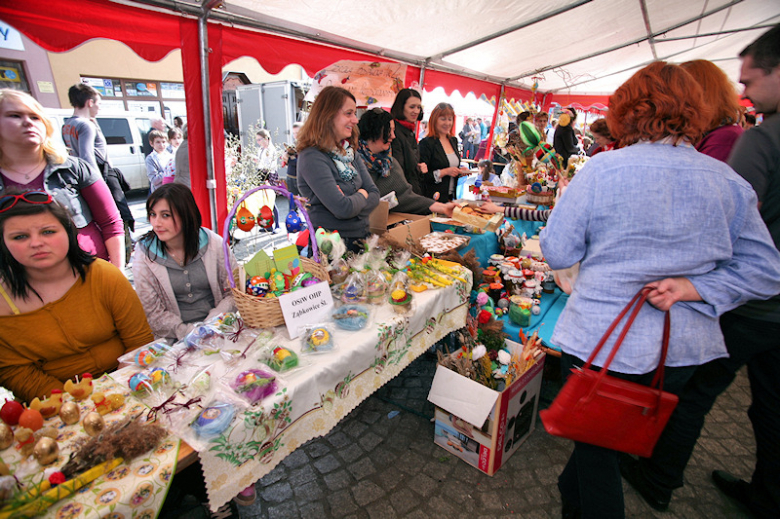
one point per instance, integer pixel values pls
(439, 151)
(407, 110)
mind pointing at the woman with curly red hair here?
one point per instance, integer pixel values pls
(694, 250)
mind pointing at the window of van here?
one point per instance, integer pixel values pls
(116, 130)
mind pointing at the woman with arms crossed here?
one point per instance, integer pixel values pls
(62, 312)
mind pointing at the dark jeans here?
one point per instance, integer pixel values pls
(591, 479)
(757, 344)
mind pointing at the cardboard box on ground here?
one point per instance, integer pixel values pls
(479, 425)
(381, 218)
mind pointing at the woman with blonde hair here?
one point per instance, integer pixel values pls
(723, 128)
(338, 186)
(30, 159)
(439, 152)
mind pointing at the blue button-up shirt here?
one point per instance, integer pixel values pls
(645, 213)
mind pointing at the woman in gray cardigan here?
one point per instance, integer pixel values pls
(340, 190)
(377, 131)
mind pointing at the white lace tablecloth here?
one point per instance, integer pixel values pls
(314, 398)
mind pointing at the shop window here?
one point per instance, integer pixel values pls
(12, 76)
(116, 130)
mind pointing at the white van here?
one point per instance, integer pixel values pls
(125, 133)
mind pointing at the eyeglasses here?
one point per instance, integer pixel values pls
(444, 106)
(378, 111)
(31, 197)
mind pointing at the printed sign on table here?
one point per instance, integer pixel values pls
(310, 305)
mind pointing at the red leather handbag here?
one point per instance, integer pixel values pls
(593, 407)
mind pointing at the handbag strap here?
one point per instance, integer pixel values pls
(636, 302)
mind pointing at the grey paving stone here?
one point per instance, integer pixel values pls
(338, 439)
(423, 485)
(341, 503)
(307, 492)
(277, 493)
(365, 492)
(370, 441)
(296, 459)
(381, 510)
(327, 464)
(338, 480)
(362, 469)
(317, 449)
(302, 475)
(350, 453)
(285, 510)
(403, 501)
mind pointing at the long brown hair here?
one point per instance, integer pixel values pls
(317, 131)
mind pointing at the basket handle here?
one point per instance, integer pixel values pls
(282, 191)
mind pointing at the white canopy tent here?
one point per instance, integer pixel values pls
(566, 46)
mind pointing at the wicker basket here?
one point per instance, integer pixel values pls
(266, 312)
(544, 198)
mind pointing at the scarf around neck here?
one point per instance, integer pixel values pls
(377, 163)
(406, 124)
(344, 162)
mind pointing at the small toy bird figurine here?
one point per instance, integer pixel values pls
(48, 407)
(80, 389)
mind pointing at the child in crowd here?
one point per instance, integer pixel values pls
(158, 160)
(487, 174)
(175, 137)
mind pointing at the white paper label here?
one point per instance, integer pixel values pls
(310, 305)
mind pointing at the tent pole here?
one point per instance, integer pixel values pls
(489, 145)
(203, 41)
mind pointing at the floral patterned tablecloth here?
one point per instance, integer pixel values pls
(313, 398)
(132, 490)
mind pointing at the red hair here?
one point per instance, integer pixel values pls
(661, 100)
(719, 91)
(441, 110)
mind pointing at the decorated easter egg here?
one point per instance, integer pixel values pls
(245, 220)
(266, 217)
(293, 222)
(159, 376)
(214, 419)
(140, 382)
(257, 286)
(143, 358)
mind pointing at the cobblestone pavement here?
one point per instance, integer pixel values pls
(377, 464)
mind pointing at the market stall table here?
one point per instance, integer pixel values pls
(486, 244)
(132, 489)
(550, 306)
(313, 398)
